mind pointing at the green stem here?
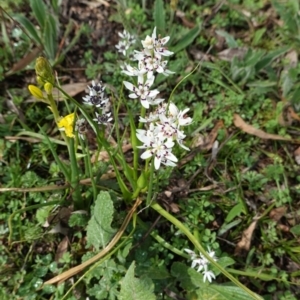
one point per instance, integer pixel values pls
(56, 116)
(75, 177)
(53, 107)
(161, 241)
(88, 167)
(150, 186)
(190, 236)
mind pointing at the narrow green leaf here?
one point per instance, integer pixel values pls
(258, 35)
(99, 231)
(136, 289)
(234, 212)
(268, 58)
(29, 28)
(50, 37)
(159, 16)
(262, 83)
(187, 39)
(39, 10)
(227, 226)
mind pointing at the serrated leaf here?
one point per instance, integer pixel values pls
(99, 231)
(187, 39)
(29, 27)
(136, 289)
(39, 10)
(159, 16)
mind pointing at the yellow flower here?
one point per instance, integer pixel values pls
(67, 124)
(35, 92)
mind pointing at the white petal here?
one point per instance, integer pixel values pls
(133, 96)
(146, 154)
(128, 85)
(157, 163)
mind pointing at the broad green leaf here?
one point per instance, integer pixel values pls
(287, 83)
(295, 99)
(208, 290)
(99, 231)
(230, 41)
(159, 16)
(187, 39)
(29, 27)
(157, 272)
(136, 289)
(39, 10)
(222, 292)
(224, 262)
(180, 272)
(50, 37)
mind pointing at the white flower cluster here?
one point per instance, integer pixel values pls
(126, 41)
(98, 98)
(166, 121)
(201, 264)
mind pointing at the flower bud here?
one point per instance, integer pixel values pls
(35, 92)
(43, 70)
(142, 181)
(48, 88)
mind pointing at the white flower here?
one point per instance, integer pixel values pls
(130, 71)
(103, 119)
(201, 263)
(142, 90)
(177, 116)
(81, 127)
(156, 146)
(122, 47)
(96, 95)
(126, 41)
(156, 44)
(208, 275)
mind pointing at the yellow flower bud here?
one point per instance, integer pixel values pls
(43, 69)
(35, 92)
(48, 88)
(66, 124)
